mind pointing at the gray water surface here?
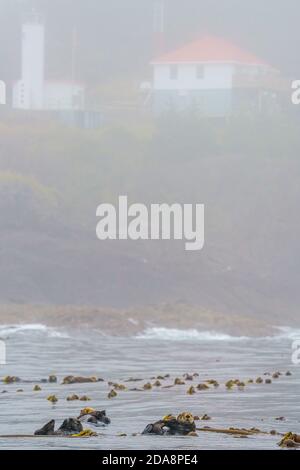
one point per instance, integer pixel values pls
(33, 354)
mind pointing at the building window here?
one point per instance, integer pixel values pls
(173, 72)
(200, 72)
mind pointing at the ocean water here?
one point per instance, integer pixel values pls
(35, 351)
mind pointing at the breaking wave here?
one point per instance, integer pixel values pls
(288, 332)
(10, 330)
(150, 333)
(173, 334)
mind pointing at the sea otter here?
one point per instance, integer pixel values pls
(290, 440)
(69, 426)
(170, 425)
(72, 426)
(97, 418)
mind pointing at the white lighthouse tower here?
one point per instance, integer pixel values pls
(28, 92)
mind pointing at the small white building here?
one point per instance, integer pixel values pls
(213, 76)
(64, 95)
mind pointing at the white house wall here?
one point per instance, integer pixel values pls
(216, 76)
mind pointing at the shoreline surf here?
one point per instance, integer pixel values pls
(151, 321)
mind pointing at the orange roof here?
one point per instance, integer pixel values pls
(209, 49)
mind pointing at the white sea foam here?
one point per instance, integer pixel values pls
(10, 330)
(288, 332)
(151, 333)
(173, 334)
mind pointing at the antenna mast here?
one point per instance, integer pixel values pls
(159, 26)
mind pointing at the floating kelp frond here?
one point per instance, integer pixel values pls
(11, 379)
(112, 394)
(52, 398)
(85, 433)
(290, 440)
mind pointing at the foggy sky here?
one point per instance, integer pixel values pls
(115, 38)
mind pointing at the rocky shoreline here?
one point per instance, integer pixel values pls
(134, 321)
